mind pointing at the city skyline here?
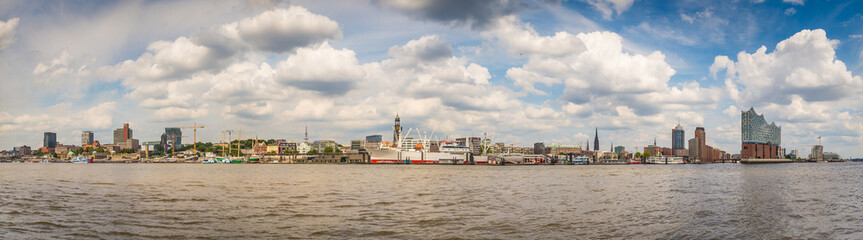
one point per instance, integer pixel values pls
(526, 71)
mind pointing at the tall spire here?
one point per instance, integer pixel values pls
(307, 134)
(596, 140)
(654, 141)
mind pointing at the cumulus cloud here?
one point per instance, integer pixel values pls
(64, 71)
(284, 30)
(804, 65)
(428, 48)
(7, 32)
(322, 69)
(522, 39)
(478, 14)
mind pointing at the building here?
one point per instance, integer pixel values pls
(287, 147)
(596, 140)
(817, 153)
(321, 145)
(49, 140)
(122, 134)
(374, 139)
(539, 148)
(795, 154)
(678, 141)
(260, 147)
(273, 148)
(701, 135)
(829, 156)
(22, 150)
(475, 145)
(759, 139)
(358, 144)
(619, 149)
(86, 138)
(557, 149)
(304, 147)
(693, 149)
(174, 135)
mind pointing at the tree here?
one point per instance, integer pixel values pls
(313, 151)
(638, 155)
(328, 150)
(646, 155)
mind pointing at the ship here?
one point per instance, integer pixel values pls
(409, 150)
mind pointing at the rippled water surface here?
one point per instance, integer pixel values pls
(407, 201)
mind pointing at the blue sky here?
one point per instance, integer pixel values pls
(524, 71)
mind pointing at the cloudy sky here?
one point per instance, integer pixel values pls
(523, 71)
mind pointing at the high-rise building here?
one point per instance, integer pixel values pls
(374, 138)
(539, 148)
(596, 140)
(759, 139)
(678, 138)
(49, 140)
(175, 135)
(122, 134)
(619, 149)
(701, 135)
(817, 153)
(86, 138)
(693, 149)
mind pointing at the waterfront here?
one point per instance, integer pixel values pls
(408, 201)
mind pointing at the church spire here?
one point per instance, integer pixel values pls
(596, 140)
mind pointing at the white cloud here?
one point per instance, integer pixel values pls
(322, 69)
(790, 11)
(794, 2)
(804, 65)
(608, 7)
(522, 39)
(284, 30)
(7, 32)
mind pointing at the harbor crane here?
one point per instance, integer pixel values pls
(194, 135)
(229, 132)
(174, 142)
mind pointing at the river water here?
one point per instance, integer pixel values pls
(218, 201)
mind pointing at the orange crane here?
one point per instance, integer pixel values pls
(194, 135)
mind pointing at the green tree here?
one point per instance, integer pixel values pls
(638, 155)
(328, 150)
(313, 151)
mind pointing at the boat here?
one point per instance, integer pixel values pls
(209, 160)
(255, 159)
(80, 159)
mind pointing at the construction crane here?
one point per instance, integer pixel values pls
(229, 132)
(174, 142)
(194, 135)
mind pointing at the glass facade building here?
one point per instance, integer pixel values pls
(678, 138)
(755, 130)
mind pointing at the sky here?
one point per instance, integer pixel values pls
(520, 71)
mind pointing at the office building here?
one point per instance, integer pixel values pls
(678, 141)
(539, 148)
(86, 138)
(122, 134)
(619, 149)
(49, 140)
(693, 149)
(374, 138)
(703, 154)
